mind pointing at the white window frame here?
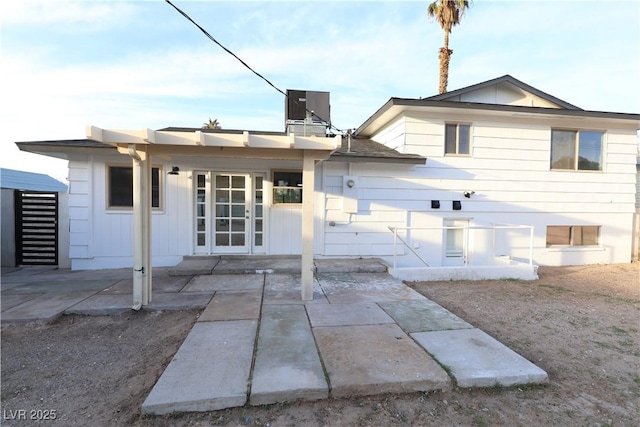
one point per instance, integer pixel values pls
(576, 152)
(458, 153)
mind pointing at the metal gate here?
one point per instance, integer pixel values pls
(36, 228)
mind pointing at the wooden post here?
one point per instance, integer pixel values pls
(308, 191)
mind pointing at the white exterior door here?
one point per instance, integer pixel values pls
(455, 242)
(229, 213)
(232, 213)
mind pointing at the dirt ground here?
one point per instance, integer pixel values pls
(580, 324)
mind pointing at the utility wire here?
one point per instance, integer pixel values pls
(210, 37)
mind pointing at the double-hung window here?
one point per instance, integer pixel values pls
(120, 187)
(576, 150)
(457, 139)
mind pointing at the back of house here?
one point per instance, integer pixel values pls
(498, 173)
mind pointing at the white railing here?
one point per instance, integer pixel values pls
(493, 227)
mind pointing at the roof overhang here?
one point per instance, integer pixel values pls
(245, 140)
(397, 107)
(255, 145)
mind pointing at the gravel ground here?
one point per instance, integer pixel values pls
(581, 324)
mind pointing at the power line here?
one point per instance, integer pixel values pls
(210, 37)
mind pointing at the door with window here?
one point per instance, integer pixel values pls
(229, 213)
(455, 242)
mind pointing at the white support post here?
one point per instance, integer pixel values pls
(141, 227)
(308, 191)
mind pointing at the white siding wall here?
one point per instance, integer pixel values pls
(102, 237)
(510, 174)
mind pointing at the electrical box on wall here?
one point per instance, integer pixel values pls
(350, 194)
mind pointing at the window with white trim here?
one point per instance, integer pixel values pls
(120, 187)
(457, 139)
(573, 235)
(287, 187)
(576, 150)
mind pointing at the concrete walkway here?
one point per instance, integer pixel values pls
(256, 342)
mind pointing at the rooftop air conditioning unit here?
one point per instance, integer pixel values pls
(307, 112)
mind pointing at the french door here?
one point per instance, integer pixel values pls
(229, 213)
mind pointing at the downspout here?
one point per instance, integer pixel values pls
(138, 268)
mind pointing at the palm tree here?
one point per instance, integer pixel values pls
(448, 13)
(211, 124)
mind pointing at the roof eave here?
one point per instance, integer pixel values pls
(407, 103)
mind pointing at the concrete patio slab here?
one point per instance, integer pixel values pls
(365, 265)
(347, 288)
(102, 305)
(180, 301)
(6, 285)
(478, 360)
(60, 287)
(160, 284)
(287, 364)
(43, 308)
(347, 314)
(210, 371)
(9, 301)
(422, 315)
(194, 265)
(225, 282)
(375, 359)
(286, 289)
(258, 265)
(233, 305)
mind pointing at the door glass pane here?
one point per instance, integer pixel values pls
(200, 196)
(259, 181)
(201, 226)
(222, 225)
(222, 239)
(258, 239)
(237, 196)
(201, 179)
(455, 239)
(222, 211)
(258, 225)
(237, 182)
(201, 239)
(201, 210)
(237, 239)
(258, 211)
(237, 211)
(222, 196)
(222, 181)
(237, 224)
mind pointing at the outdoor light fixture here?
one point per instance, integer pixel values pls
(351, 183)
(174, 171)
(468, 194)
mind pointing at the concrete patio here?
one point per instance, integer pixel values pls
(256, 342)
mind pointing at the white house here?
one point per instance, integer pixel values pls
(494, 174)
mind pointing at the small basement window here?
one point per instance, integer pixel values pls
(287, 187)
(573, 235)
(120, 187)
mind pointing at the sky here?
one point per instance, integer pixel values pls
(140, 64)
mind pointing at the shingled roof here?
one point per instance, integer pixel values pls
(367, 150)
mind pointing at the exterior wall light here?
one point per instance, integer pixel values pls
(174, 171)
(351, 183)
